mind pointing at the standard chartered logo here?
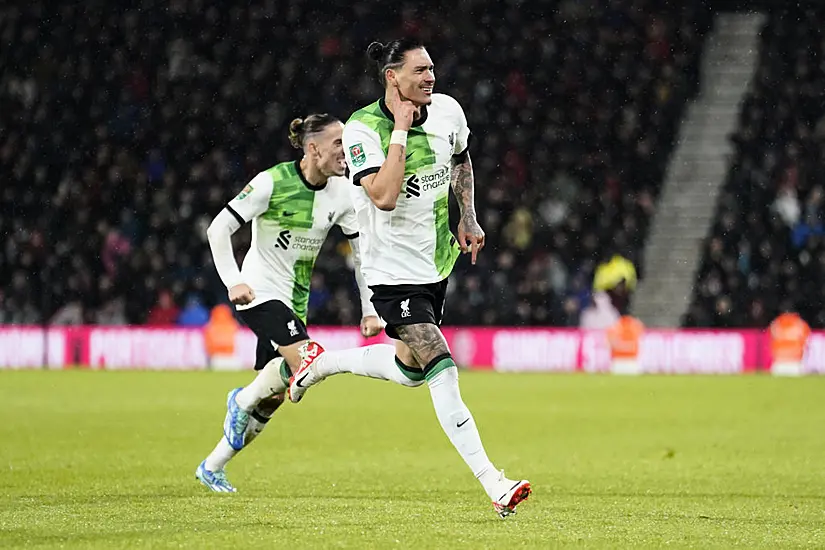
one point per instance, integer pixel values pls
(298, 242)
(283, 239)
(413, 189)
(418, 184)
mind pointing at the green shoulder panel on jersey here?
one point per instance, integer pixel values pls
(292, 201)
(372, 117)
(419, 152)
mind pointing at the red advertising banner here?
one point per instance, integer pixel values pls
(501, 349)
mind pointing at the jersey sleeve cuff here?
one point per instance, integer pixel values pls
(356, 179)
(368, 310)
(352, 236)
(235, 214)
(463, 154)
(233, 281)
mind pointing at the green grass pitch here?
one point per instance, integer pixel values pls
(106, 460)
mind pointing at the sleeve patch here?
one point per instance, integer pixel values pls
(357, 155)
(245, 192)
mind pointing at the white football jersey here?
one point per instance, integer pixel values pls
(413, 243)
(290, 222)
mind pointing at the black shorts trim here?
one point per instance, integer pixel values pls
(356, 179)
(237, 216)
(401, 305)
(414, 374)
(273, 321)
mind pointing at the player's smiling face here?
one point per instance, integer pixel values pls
(416, 77)
(327, 149)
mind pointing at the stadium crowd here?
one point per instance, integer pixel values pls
(125, 131)
(766, 251)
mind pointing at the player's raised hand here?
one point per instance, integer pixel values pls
(241, 294)
(371, 325)
(470, 236)
(404, 110)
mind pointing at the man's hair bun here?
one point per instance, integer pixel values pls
(375, 51)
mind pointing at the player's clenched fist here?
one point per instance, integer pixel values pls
(241, 294)
(370, 326)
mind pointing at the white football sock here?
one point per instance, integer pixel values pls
(268, 382)
(223, 452)
(255, 426)
(458, 423)
(376, 361)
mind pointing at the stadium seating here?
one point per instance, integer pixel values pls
(766, 252)
(126, 130)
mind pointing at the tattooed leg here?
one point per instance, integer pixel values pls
(425, 341)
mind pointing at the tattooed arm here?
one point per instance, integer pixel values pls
(470, 234)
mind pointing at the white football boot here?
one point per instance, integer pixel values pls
(306, 375)
(508, 493)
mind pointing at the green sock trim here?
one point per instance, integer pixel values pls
(416, 375)
(286, 373)
(443, 364)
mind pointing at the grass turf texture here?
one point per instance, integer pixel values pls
(106, 460)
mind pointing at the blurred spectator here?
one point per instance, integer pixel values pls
(69, 314)
(113, 312)
(164, 312)
(786, 205)
(616, 278)
(811, 224)
(601, 314)
(219, 338)
(518, 233)
(613, 283)
(115, 247)
(194, 313)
